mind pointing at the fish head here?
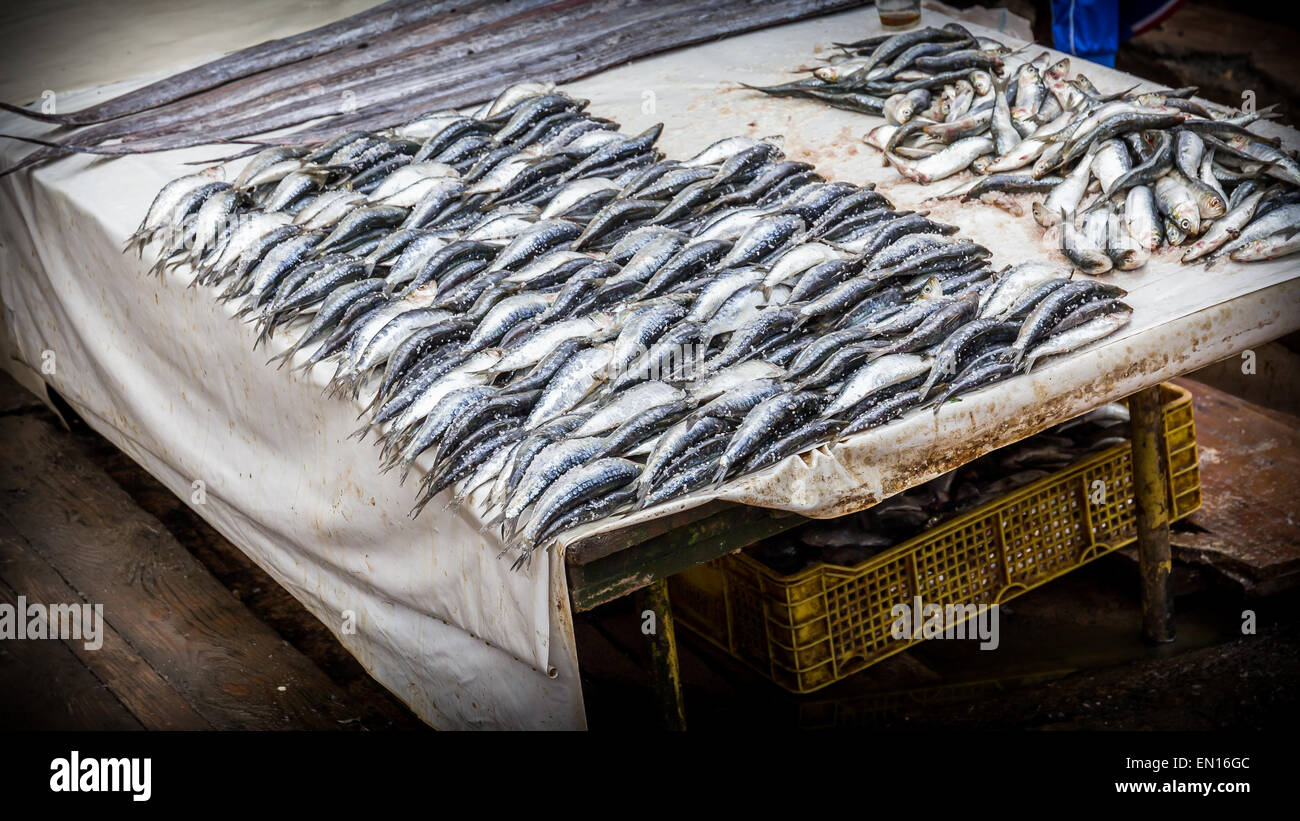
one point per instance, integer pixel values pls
(1174, 232)
(424, 294)
(1045, 216)
(602, 320)
(1149, 239)
(880, 135)
(482, 361)
(1212, 205)
(1119, 318)
(1131, 258)
(604, 366)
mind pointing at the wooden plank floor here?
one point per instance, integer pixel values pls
(180, 650)
(1224, 48)
(1248, 527)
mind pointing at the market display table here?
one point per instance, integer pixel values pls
(427, 605)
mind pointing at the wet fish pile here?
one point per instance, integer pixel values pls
(850, 540)
(1124, 174)
(559, 323)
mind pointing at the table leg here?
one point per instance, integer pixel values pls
(663, 654)
(1152, 494)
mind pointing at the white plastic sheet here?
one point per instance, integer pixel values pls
(168, 376)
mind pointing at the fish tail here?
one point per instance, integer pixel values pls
(524, 545)
(34, 115)
(510, 527)
(929, 385)
(379, 395)
(311, 362)
(492, 522)
(31, 159)
(721, 475)
(1017, 354)
(287, 357)
(354, 386)
(339, 385)
(402, 440)
(524, 558)
(420, 505)
(391, 460)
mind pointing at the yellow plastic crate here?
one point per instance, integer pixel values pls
(813, 628)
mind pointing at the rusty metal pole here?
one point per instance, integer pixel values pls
(663, 654)
(1152, 496)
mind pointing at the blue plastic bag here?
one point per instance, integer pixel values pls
(1087, 28)
(1093, 29)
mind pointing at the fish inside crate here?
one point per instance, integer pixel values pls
(809, 607)
(857, 537)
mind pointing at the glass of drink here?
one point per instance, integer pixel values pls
(899, 14)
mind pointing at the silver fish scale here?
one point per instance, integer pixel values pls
(577, 485)
(549, 464)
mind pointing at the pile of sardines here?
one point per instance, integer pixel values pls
(1123, 174)
(852, 539)
(560, 323)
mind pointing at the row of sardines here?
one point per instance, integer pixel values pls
(1124, 174)
(555, 324)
